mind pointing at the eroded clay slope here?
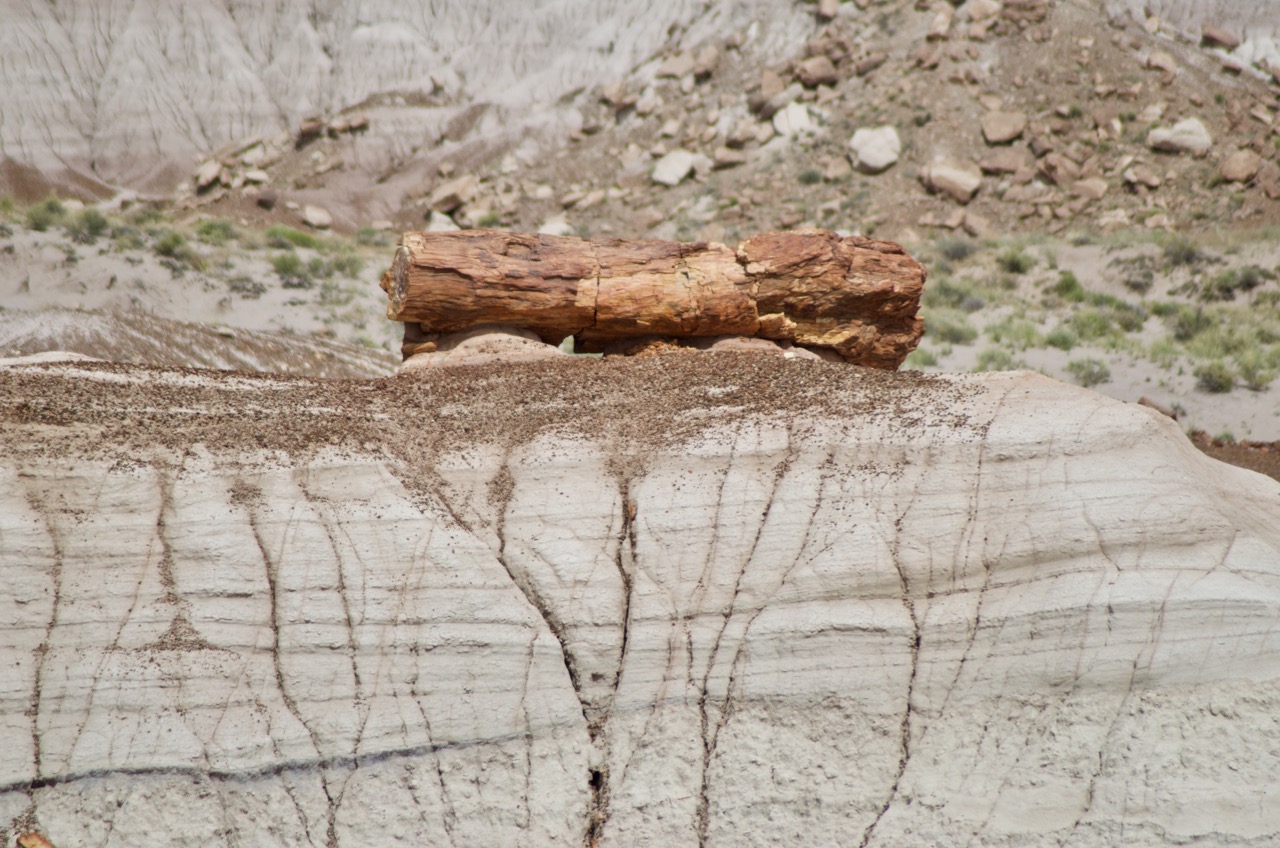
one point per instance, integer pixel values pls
(693, 599)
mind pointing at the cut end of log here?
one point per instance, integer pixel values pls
(856, 297)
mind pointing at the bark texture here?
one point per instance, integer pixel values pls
(814, 288)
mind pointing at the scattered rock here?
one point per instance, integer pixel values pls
(1004, 160)
(1141, 175)
(958, 180)
(940, 26)
(1161, 61)
(981, 10)
(875, 149)
(1186, 136)
(706, 62)
(316, 216)
(309, 130)
(1240, 167)
(677, 66)
(1212, 36)
(557, 226)
(870, 62)
(207, 174)
(793, 120)
(817, 70)
(34, 840)
(438, 222)
(267, 200)
(256, 175)
(827, 9)
(453, 194)
(673, 168)
(728, 157)
(1093, 188)
(1003, 127)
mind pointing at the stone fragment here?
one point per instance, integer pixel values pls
(958, 180)
(1003, 127)
(981, 10)
(1240, 167)
(817, 70)
(34, 840)
(728, 157)
(875, 148)
(1162, 61)
(673, 168)
(706, 62)
(793, 120)
(870, 62)
(940, 26)
(1093, 188)
(267, 199)
(257, 175)
(207, 174)
(1186, 136)
(316, 216)
(1058, 169)
(1004, 160)
(827, 9)
(453, 194)
(1212, 36)
(1141, 175)
(438, 222)
(679, 65)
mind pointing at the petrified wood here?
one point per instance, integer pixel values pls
(813, 288)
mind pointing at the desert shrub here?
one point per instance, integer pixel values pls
(47, 213)
(956, 248)
(285, 237)
(1140, 281)
(347, 264)
(1068, 287)
(86, 226)
(810, 176)
(1062, 338)
(1257, 367)
(1187, 323)
(1090, 324)
(369, 237)
(246, 286)
(997, 359)
(1215, 377)
(946, 293)
(488, 220)
(1015, 260)
(1128, 316)
(1018, 334)
(921, 358)
(173, 245)
(1089, 372)
(215, 231)
(949, 325)
(1180, 251)
(1226, 284)
(7, 205)
(288, 264)
(128, 238)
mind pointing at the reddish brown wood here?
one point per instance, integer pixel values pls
(856, 296)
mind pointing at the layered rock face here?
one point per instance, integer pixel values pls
(693, 599)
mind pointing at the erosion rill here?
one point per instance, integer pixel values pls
(814, 289)
(679, 599)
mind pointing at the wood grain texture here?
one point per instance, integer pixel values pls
(855, 296)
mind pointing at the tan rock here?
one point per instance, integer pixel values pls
(453, 194)
(1003, 127)
(940, 26)
(1004, 160)
(1240, 167)
(1186, 136)
(728, 157)
(1212, 36)
(817, 70)
(480, 345)
(982, 10)
(1093, 188)
(1141, 175)
(207, 174)
(679, 65)
(827, 9)
(316, 216)
(958, 180)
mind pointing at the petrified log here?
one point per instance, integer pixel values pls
(813, 288)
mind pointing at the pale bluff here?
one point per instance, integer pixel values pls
(695, 599)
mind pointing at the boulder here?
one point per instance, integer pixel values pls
(817, 70)
(793, 120)
(1187, 136)
(481, 345)
(677, 600)
(207, 174)
(958, 180)
(1240, 167)
(451, 195)
(874, 149)
(1212, 36)
(673, 168)
(1000, 127)
(316, 217)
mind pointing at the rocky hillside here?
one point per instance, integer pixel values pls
(695, 599)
